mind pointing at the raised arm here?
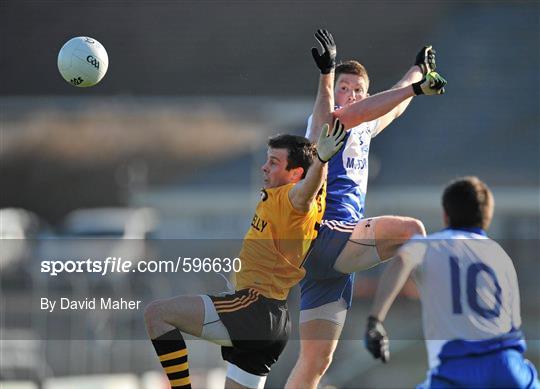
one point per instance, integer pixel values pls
(324, 103)
(380, 104)
(304, 192)
(424, 63)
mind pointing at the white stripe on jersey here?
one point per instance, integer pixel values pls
(339, 225)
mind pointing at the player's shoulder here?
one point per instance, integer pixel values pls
(457, 234)
(418, 245)
(443, 234)
(276, 192)
(277, 199)
(414, 249)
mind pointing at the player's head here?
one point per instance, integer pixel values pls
(288, 160)
(468, 202)
(352, 83)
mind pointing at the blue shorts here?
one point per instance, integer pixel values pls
(501, 369)
(322, 284)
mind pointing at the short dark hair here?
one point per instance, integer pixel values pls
(301, 151)
(352, 67)
(468, 202)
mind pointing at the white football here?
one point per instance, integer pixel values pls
(83, 61)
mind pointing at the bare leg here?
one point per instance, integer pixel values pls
(392, 231)
(376, 239)
(185, 313)
(164, 320)
(318, 341)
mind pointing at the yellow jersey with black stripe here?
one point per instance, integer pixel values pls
(277, 242)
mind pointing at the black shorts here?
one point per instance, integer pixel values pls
(259, 328)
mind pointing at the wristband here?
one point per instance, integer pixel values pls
(320, 159)
(417, 88)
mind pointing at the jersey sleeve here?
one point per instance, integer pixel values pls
(414, 251)
(308, 128)
(373, 128)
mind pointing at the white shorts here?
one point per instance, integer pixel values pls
(336, 312)
(213, 329)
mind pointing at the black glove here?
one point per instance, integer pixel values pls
(376, 340)
(326, 61)
(432, 84)
(425, 59)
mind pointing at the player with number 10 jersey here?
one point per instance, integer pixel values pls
(470, 298)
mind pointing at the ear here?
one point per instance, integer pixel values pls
(297, 174)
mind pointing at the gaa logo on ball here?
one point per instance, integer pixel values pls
(83, 61)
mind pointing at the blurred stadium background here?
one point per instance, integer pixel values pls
(166, 150)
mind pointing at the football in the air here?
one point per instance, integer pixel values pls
(83, 61)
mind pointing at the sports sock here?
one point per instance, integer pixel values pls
(172, 352)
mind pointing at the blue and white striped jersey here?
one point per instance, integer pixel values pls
(469, 293)
(348, 174)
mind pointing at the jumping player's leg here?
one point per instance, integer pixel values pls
(259, 328)
(320, 329)
(194, 315)
(185, 313)
(376, 239)
(164, 320)
(325, 297)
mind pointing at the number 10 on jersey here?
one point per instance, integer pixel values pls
(473, 272)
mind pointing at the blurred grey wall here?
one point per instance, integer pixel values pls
(208, 47)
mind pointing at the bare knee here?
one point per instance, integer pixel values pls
(413, 227)
(393, 231)
(152, 316)
(398, 228)
(316, 357)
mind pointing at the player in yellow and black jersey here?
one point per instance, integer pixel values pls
(275, 245)
(252, 324)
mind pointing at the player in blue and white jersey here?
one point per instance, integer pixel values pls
(346, 242)
(470, 298)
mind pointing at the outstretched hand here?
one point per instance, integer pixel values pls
(330, 143)
(425, 59)
(432, 84)
(326, 61)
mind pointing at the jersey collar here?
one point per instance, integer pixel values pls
(474, 230)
